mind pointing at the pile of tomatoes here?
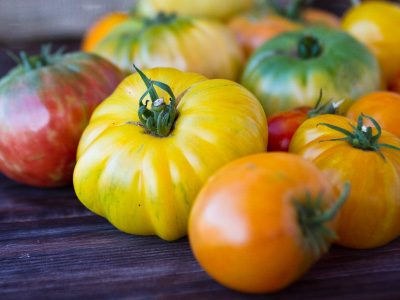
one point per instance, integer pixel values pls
(264, 133)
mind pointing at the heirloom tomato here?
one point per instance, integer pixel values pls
(282, 125)
(220, 9)
(369, 159)
(141, 162)
(101, 28)
(189, 44)
(374, 23)
(266, 20)
(382, 106)
(45, 103)
(261, 221)
(290, 69)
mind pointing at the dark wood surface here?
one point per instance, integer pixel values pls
(52, 247)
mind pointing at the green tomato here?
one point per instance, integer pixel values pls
(289, 70)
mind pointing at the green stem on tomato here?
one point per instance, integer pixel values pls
(161, 117)
(312, 219)
(45, 58)
(362, 137)
(328, 108)
(309, 47)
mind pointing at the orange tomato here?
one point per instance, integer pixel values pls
(101, 28)
(371, 215)
(383, 106)
(248, 227)
(254, 28)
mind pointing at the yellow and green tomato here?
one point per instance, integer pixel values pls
(142, 162)
(189, 44)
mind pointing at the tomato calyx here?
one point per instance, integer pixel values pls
(309, 47)
(311, 219)
(362, 137)
(160, 18)
(328, 108)
(45, 58)
(161, 117)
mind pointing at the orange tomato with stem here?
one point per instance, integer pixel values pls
(261, 221)
(383, 106)
(369, 159)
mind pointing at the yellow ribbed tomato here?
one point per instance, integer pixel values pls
(145, 183)
(365, 157)
(374, 23)
(189, 44)
(220, 9)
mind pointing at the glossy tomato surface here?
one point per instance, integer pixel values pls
(43, 113)
(282, 79)
(383, 106)
(282, 125)
(244, 227)
(371, 215)
(375, 24)
(145, 184)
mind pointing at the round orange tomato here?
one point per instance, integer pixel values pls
(261, 221)
(101, 28)
(382, 106)
(365, 157)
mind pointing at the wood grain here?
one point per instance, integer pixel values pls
(52, 247)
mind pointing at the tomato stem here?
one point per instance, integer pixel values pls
(160, 18)
(312, 219)
(328, 107)
(362, 137)
(45, 58)
(309, 47)
(161, 117)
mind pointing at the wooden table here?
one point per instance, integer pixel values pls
(52, 247)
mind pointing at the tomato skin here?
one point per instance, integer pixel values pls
(254, 28)
(145, 184)
(43, 113)
(101, 28)
(221, 9)
(281, 80)
(372, 23)
(282, 125)
(181, 42)
(371, 215)
(243, 227)
(382, 106)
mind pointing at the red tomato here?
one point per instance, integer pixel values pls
(45, 103)
(282, 125)
(261, 221)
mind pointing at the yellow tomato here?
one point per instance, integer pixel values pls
(220, 9)
(376, 23)
(189, 44)
(144, 183)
